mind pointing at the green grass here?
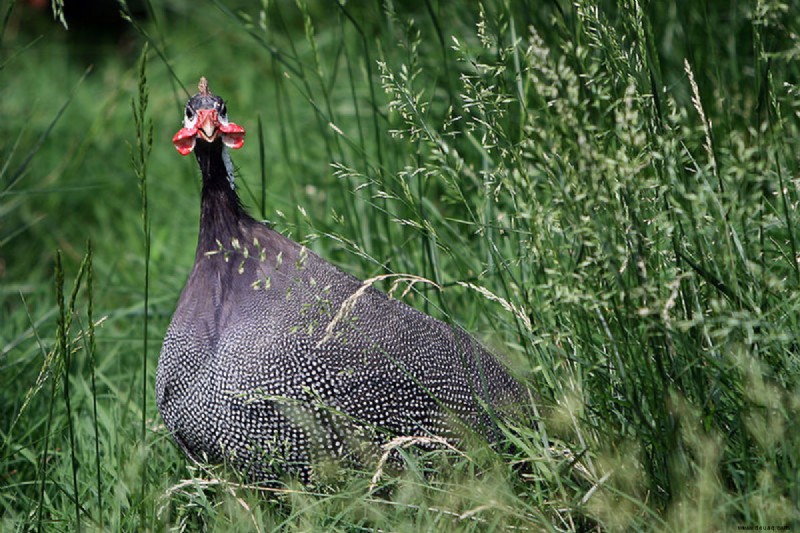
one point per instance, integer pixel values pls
(606, 193)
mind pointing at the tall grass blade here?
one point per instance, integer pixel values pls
(63, 353)
(92, 348)
(140, 154)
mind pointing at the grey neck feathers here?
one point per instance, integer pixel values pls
(226, 160)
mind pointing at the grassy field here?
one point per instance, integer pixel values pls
(605, 193)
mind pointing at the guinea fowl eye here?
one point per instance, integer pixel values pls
(223, 109)
(189, 113)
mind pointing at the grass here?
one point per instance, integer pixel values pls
(606, 194)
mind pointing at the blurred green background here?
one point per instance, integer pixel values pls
(606, 192)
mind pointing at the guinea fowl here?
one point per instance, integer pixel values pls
(276, 360)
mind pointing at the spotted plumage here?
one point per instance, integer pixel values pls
(275, 359)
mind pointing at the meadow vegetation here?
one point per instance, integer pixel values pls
(605, 193)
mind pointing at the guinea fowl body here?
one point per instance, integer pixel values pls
(275, 359)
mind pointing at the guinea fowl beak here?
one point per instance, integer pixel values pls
(207, 124)
(208, 127)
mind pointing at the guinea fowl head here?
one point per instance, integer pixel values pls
(206, 118)
(207, 132)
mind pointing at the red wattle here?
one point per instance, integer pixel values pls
(232, 135)
(184, 140)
